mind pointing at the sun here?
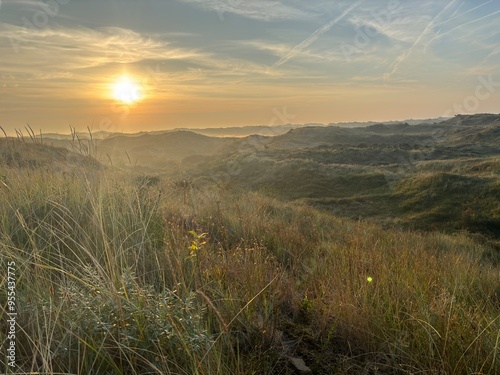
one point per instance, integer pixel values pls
(126, 90)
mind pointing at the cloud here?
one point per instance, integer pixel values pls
(24, 3)
(265, 10)
(70, 49)
(53, 62)
(41, 52)
(64, 64)
(39, 10)
(274, 48)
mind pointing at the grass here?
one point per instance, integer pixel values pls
(420, 187)
(124, 275)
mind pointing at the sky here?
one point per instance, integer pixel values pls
(220, 63)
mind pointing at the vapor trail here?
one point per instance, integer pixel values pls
(468, 23)
(314, 36)
(401, 58)
(452, 18)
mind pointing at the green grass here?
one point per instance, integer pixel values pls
(445, 200)
(124, 275)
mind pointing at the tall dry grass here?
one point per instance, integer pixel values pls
(121, 275)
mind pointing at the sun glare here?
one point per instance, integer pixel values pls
(126, 90)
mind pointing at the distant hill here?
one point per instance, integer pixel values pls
(474, 120)
(80, 135)
(461, 131)
(244, 131)
(460, 136)
(234, 131)
(409, 122)
(334, 135)
(158, 150)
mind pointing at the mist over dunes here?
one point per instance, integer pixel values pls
(357, 171)
(464, 133)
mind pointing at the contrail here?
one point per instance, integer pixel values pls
(468, 23)
(463, 14)
(456, 11)
(314, 36)
(405, 55)
(452, 18)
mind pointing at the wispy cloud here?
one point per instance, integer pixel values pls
(266, 10)
(24, 3)
(50, 58)
(79, 48)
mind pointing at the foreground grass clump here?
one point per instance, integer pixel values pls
(119, 276)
